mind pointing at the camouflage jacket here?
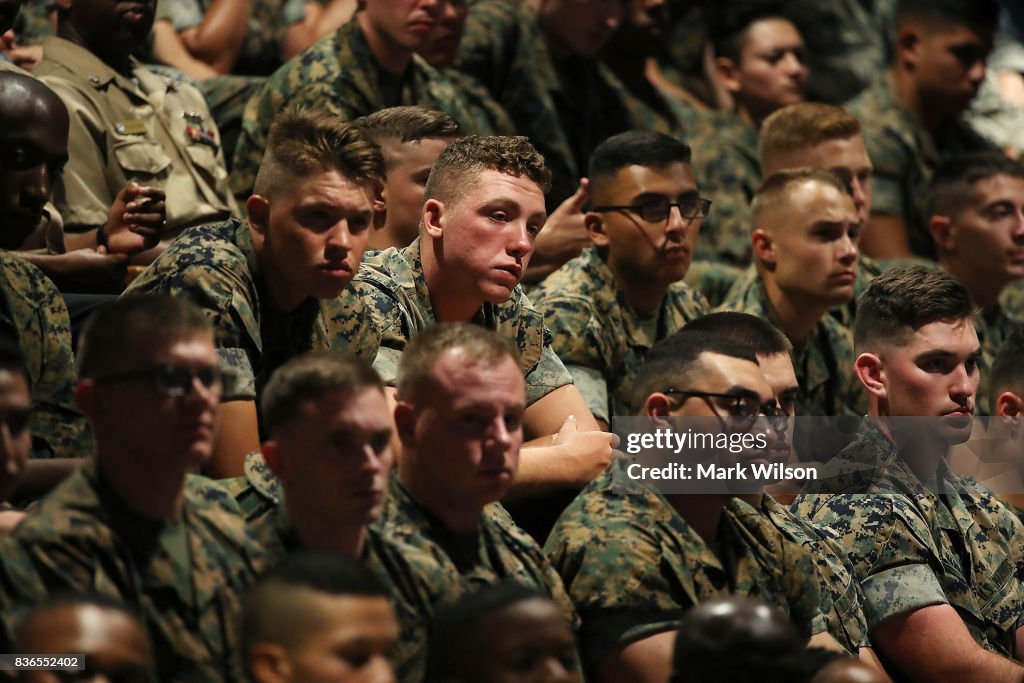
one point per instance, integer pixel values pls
(392, 287)
(912, 546)
(186, 577)
(339, 75)
(905, 155)
(418, 586)
(824, 364)
(599, 336)
(498, 551)
(33, 315)
(633, 566)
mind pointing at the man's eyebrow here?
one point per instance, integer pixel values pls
(648, 196)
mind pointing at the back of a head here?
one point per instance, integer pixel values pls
(407, 124)
(307, 378)
(952, 186)
(118, 333)
(460, 165)
(759, 335)
(902, 300)
(305, 142)
(778, 192)
(730, 22)
(474, 344)
(1007, 372)
(977, 14)
(16, 89)
(635, 148)
(799, 127)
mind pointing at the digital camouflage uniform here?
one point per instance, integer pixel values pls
(186, 577)
(498, 551)
(728, 173)
(824, 364)
(33, 21)
(339, 75)
(418, 586)
(994, 325)
(216, 267)
(391, 286)
(599, 336)
(905, 155)
(912, 547)
(1011, 299)
(33, 315)
(133, 129)
(633, 566)
(713, 279)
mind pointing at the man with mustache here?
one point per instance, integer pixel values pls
(608, 306)
(936, 554)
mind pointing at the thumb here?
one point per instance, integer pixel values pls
(582, 194)
(567, 429)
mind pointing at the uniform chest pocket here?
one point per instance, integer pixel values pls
(205, 160)
(141, 157)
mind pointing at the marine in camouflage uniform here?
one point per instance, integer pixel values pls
(912, 547)
(186, 577)
(1011, 299)
(393, 291)
(599, 336)
(418, 586)
(33, 315)
(498, 551)
(33, 21)
(633, 565)
(905, 155)
(339, 75)
(994, 325)
(713, 279)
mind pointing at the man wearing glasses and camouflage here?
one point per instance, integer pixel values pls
(608, 306)
(635, 557)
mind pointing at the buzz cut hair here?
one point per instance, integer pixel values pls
(407, 124)
(305, 141)
(778, 187)
(1007, 373)
(763, 338)
(459, 167)
(732, 20)
(983, 14)
(800, 127)
(952, 187)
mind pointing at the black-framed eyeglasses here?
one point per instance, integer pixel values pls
(742, 408)
(658, 210)
(16, 419)
(168, 379)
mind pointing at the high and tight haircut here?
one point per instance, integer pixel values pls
(636, 148)
(1007, 373)
(674, 362)
(778, 187)
(730, 21)
(457, 622)
(802, 126)
(979, 14)
(12, 359)
(477, 345)
(115, 331)
(74, 600)
(952, 186)
(902, 300)
(273, 611)
(16, 87)
(763, 338)
(307, 378)
(460, 165)
(407, 124)
(304, 142)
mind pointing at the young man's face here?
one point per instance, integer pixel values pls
(351, 643)
(639, 250)
(335, 456)
(408, 24)
(816, 240)
(935, 374)
(408, 165)
(772, 72)
(582, 27)
(948, 63)
(314, 236)
(15, 434)
(488, 235)
(467, 436)
(988, 233)
(104, 23)
(442, 49)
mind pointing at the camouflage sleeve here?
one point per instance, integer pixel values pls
(594, 388)
(891, 161)
(385, 315)
(348, 323)
(183, 14)
(713, 280)
(293, 11)
(487, 48)
(20, 588)
(547, 375)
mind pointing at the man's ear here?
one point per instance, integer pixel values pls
(658, 406)
(433, 218)
(405, 424)
(943, 232)
(594, 223)
(764, 248)
(380, 208)
(908, 44)
(871, 373)
(1009, 405)
(269, 663)
(258, 208)
(727, 73)
(272, 456)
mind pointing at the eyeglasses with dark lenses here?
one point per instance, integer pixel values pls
(742, 409)
(16, 419)
(657, 211)
(169, 380)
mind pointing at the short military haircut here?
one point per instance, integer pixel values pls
(118, 332)
(974, 13)
(458, 622)
(278, 609)
(636, 148)
(12, 359)
(307, 378)
(16, 88)
(763, 338)
(304, 142)
(952, 187)
(777, 188)
(675, 362)
(407, 124)
(476, 345)
(800, 127)
(1007, 373)
(460, 165)
(34, 623)
(902, 300)
(730, 22)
